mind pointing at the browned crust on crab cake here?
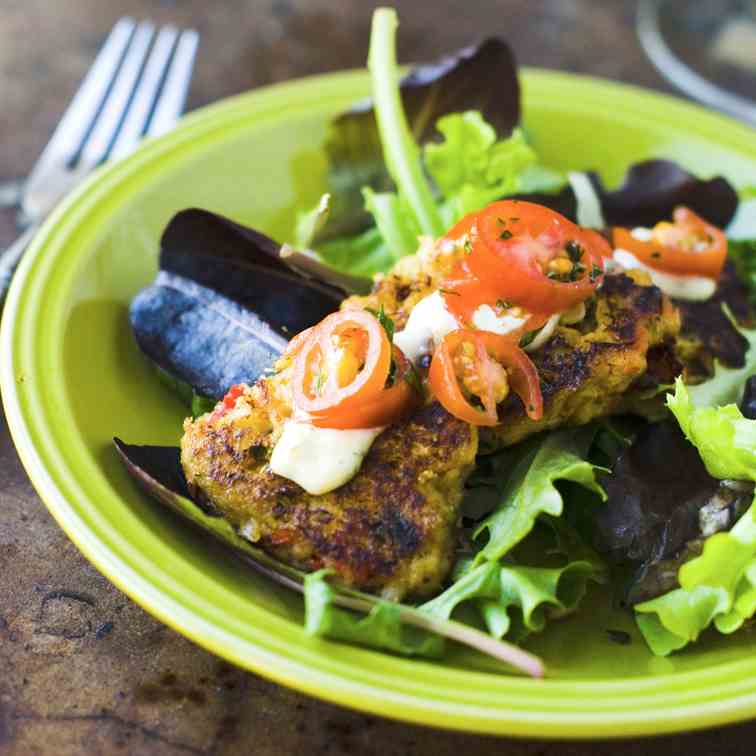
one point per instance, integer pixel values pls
(590, 369)
(586, 370)
(391, 529)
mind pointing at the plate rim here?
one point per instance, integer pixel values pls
(264, 660)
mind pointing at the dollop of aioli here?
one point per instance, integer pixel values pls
(426, 327)
(320, 459)
(690, 288)
(486, 319)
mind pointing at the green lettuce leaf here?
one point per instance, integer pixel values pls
(515, 600)
(395, 223)
(471, 167)
(725, 439)
(530, 491)
(719, 586)
(382, 627)
(362, 255)
(400, 151)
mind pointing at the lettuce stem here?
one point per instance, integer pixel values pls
(400, 151)
(506, 652)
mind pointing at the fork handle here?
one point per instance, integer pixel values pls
(10, 258)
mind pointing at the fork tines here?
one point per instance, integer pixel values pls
(135, 88)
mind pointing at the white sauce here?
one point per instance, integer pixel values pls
(426, 327)
(544, 334)
(642, 234)
(320, 459)
(691, 288)
(486, 319)
(588, 204)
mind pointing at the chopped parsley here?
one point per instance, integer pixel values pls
(385, 321)
(528, 338)
(506, 234)
(414, 379)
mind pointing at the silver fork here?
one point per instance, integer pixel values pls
(136, 88)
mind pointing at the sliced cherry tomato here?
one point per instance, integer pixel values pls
(464, 293)
(463, 232)
(387, 406)
(296, 344)
(340, 372)
(323, 385)
(535, 257)
(689, 246)
(466, 357)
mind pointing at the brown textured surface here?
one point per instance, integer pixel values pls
(82, 669)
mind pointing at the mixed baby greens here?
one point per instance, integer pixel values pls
(425, 151)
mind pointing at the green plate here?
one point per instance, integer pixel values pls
(72, 378)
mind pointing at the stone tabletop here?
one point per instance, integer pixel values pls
(83, 670)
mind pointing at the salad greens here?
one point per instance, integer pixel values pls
(453, 84)
(382, 627)
(719, 586)
(400, 152)
(725, 439)
(530, 491)
(515, 600)
(424, 152)
(427, 185)
(470, 169)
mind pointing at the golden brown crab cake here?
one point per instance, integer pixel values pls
(627, 339)
(412, 278)
(390, 530)
(621, 349)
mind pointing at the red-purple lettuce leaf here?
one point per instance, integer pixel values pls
(652, 189)
(656, 518)
(224, 303)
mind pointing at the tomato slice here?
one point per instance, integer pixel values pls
(470, 353)
(344, 361)
(689, 246)
(535, 257)
(294, 347)
(341, 367)
(464, 293)
(386, 407)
